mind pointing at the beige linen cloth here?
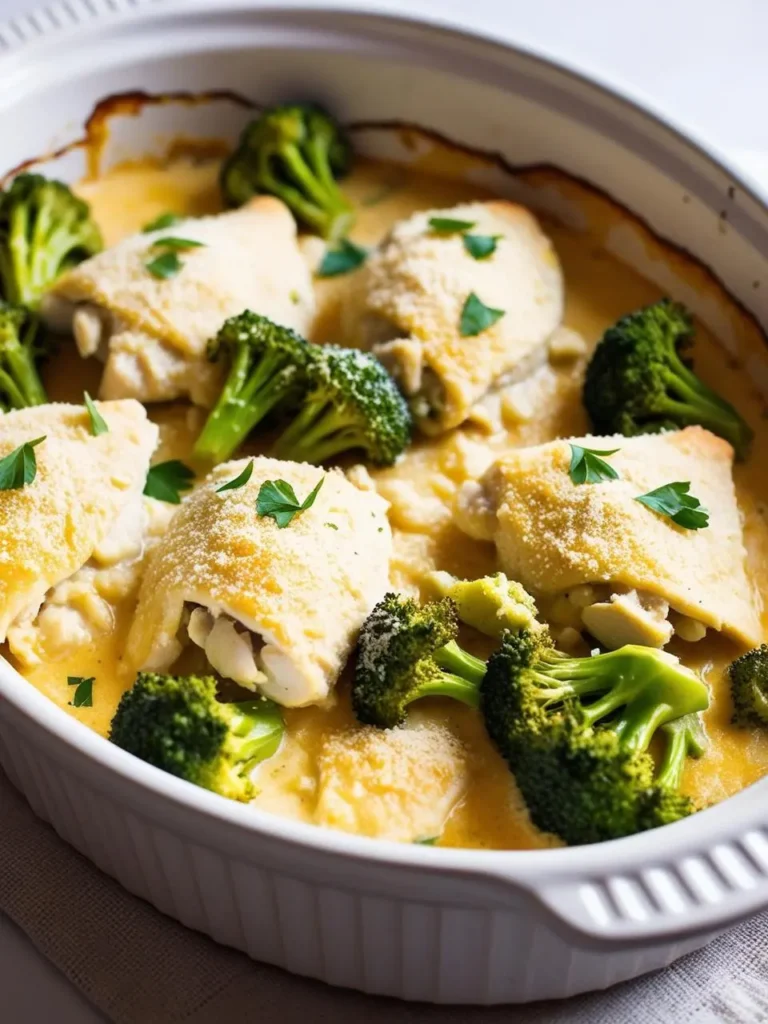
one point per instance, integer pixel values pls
(139, 967)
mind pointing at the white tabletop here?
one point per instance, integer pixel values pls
(702, 61)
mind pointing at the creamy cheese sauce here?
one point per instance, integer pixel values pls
(421, 487)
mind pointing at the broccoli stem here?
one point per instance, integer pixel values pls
(332, 214)
(21, 378)
(248, 395)
(18, 286)
(696, 403)
(319, 432)
(641, 692)
(461, 678)
(256, 729)
(450, 686)
(453, 659)
(685, 738)
(313, 215)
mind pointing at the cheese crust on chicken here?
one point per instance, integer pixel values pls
(152, 331)
(276, 609)
(399, 784)
(407, 300)
(79, 508)
(619, 564)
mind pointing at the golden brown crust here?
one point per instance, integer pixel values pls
(249, 260)
(415, 285)
(307, 587)
(50, 528)
(552, 534)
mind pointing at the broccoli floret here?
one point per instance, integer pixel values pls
(267, 368)
(406, 652)
(576, 733)
(20, 349)
(351, 402)
(492, 604)
(295, 153)
(44, 230)
(175, 723)
(637, 381)
(749, 688)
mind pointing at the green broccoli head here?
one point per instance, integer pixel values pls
(576, 733)
(176, 724)
(295, 152)
(492, 604)
(637, 381)
(44, 230)
(749, 688)
(267, 368)
(351, 403)
(20, 350)
(406, 652)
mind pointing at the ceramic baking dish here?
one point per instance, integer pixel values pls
(406, 920)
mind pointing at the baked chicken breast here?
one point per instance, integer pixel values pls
(152, 331)
(276, 609)
(600, 560)
(407, 304)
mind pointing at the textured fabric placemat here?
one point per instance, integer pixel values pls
(140, 967)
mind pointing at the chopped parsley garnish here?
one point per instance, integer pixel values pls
(480, 247)
(240, 480)
(588, 468)
(168, 264)
(277, 499)
(675, 501)
(476, 317)
(431, 841)
(165, 220)
(331, 526)
(84, 693)
(98, 423)
(450, 226)
(19, 467)
(345, 257)
(167, 480)
(172, 242)
(294, 296)
(164, 266)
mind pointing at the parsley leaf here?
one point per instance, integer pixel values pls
(449, 226)
(19, 467)
(588, 468)
(476, 317)
(347, 256)
(277, 499)
(675, 501)
(84, 692)
(98, 423)
(166, 265)
(165, 220)
(166, 480)
(480, 247)
(431, 841)
(173, 242)
(240, 480)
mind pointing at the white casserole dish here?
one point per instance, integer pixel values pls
(439, 925)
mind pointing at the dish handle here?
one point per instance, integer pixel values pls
(699, 892)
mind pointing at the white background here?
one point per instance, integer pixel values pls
(701, 61)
